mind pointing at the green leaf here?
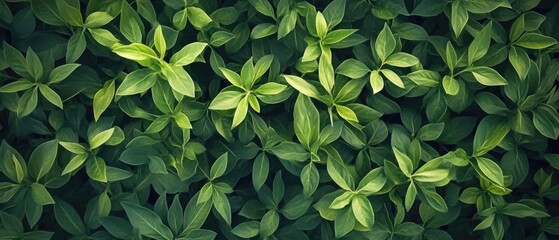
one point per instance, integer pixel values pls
(130, 24)
(146, 221)
(175, 216)
(103, 99)
(182, 120)
(352, 68)
(46, 11)
(326, 71)
(67, 217)
(198, 17)
(240, 112)
(337, 36)
(545, 120)
(219, 167)
(344, 223)
(458, 17)
(489, 133)
(451, 85)
(430, 131)
(350, 91)
(479, 46)
(346, 113)
(222, 206)
(260, 170)
(226, 100)
(40, 194)
(535, 41)
(17, 86)
(33, 64)
(62, 72)
(363, 211)
(305, 119)
(159, 41)
(137, 52)
(376, 81)
(27, 103)
(490, 103)
(269, 223)
(270, 88)
(287, 24)
(232, 77)
(247, 229)
(263, 30)
(434, 199)
(488, 76)
(334, 13)
(98, 19)
(42, 159)
(51, 95)
(96, 169)
(392, 77)
(290, 151)
(401, 59)
(520, 61)
(100, 138)
(221, 37)
(75, 148)
(385, 43)
(372, 182)
(263, 7)
(430, 175)
(179, 80)
(137, 81)
(309, 178)
(342, 201)
(411, 194)
(491, 170)
(188, 54)
(76, 162)
(339, 173)
(321, 25)
(404, 162)
(520, 210)
(302, 86)
(426, 78)
(70, 13)
(76, 46)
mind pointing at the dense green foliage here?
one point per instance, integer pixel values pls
(280, 119)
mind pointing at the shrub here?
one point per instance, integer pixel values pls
(283, 119)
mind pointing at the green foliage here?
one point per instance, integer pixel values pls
(283, 119)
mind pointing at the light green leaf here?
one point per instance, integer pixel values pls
(137, 81)
(535, 41)
(102, 137)
(51, 95)
(488, 76)
(393, 77)
(479, 46)
(240, 112)
(352, 68)
(198, 17)
(363, 211)
(385, 43)
(103, 99)
(302, 86)
(179, 80)
(159, 41)
(188, 54)
(402, 59)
